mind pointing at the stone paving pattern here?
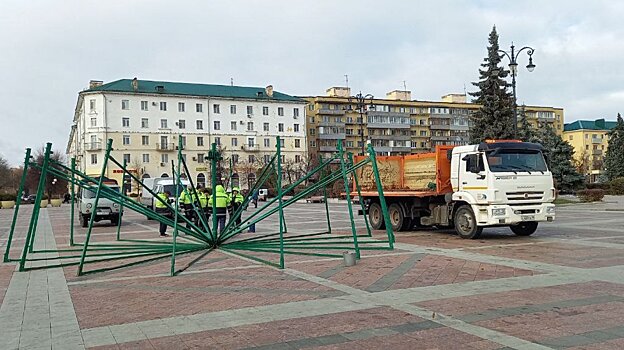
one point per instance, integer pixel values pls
(562, 288)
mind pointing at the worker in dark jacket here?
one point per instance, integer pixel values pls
(222, 201)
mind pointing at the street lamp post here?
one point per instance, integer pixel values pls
(360, 103)
(513, 68)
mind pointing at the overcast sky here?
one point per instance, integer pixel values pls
(49, 50)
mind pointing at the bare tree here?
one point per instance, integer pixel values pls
(5, 175)
(53, 186)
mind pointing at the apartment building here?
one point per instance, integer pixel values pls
(147, 119)
(397, 124)
(590, 141)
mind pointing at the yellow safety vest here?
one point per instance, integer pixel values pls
(159, 204)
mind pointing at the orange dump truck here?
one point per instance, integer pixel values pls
(504, 183)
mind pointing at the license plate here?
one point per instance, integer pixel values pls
(102, 212)
(528, 217)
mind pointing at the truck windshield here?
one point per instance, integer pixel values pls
(88, 194)
(516, 161)
(171, 189)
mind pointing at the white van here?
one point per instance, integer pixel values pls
(106, 209)
(159, 185)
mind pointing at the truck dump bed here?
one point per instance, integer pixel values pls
(422, 174)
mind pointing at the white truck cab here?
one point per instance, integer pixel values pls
(158, 185)
(503, 183)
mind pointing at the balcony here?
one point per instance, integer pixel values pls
(596, 152)
(93, 146)
(332, 124)
(449, 138)
(165, 147)
(250, 148)
(384, 120)
(327, 148)
(390, 137)
(332, 136)
(331, 111)
(596, 139)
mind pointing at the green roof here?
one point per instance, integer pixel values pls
(599, 124)
(172, 88)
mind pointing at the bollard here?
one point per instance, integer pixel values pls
(349, 258)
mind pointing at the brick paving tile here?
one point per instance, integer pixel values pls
(562, 254)
(429, 270)
(532, 296)
(6, 272)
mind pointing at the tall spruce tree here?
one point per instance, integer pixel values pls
(614, 159)
(559, 154)
(525, 131)
(494, 120)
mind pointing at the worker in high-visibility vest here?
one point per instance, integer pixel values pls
(186, 202)
(161, 208)
(236, 201)
(222, 201)
(203, 202)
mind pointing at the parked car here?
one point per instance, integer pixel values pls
(30, 199)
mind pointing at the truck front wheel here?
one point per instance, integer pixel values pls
(465, 223)
(524, 228)
(375, 216)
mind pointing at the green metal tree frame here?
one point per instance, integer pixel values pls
(200, 235)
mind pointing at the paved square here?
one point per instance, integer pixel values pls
(561, 288)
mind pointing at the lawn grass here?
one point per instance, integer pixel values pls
(559, 201)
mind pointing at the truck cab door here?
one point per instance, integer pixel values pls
(472, 172)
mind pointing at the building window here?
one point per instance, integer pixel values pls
(183, 139)
(94, 159)
(164, 158)
(199, 124)
(280, 111)
(313, 143)
(145, 140)
(215, 109)
(181, 107)
(182, 124)
(234, 158)
(312, 131)
(234, 141)
(265, 126)
(249, 110)
(163, 106)
(92, 105)
(125, 122)
(126, 158)
(282, 143)
(232, 109)
(423, 132)
(251, 158)
(296, 112)
(297, 143)
(349, 143)
(251, 142)
(163, 123)
(250, 126)
(217, 125)
(93, 121)
(296, 128)
(267, 158)
(218, 141)
(144, 123)
(571, 137)
(200, 140)
(200, 157)
(233, 126)
(297, 158)
(145, 157)
(144, 105)
(126, 139)
(267, 142)
(280, 127)
(125, 104)
(265, 110)
(199, 108)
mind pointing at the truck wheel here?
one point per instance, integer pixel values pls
(375, 216)
(524, 228)
(396, 217)
(466, 224)
(84, 220)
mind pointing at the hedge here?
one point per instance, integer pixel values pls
(593, 195)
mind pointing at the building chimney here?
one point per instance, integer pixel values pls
(95, 83)
(399, 95)
(339, 91)
(269, 90)
(135, 84)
